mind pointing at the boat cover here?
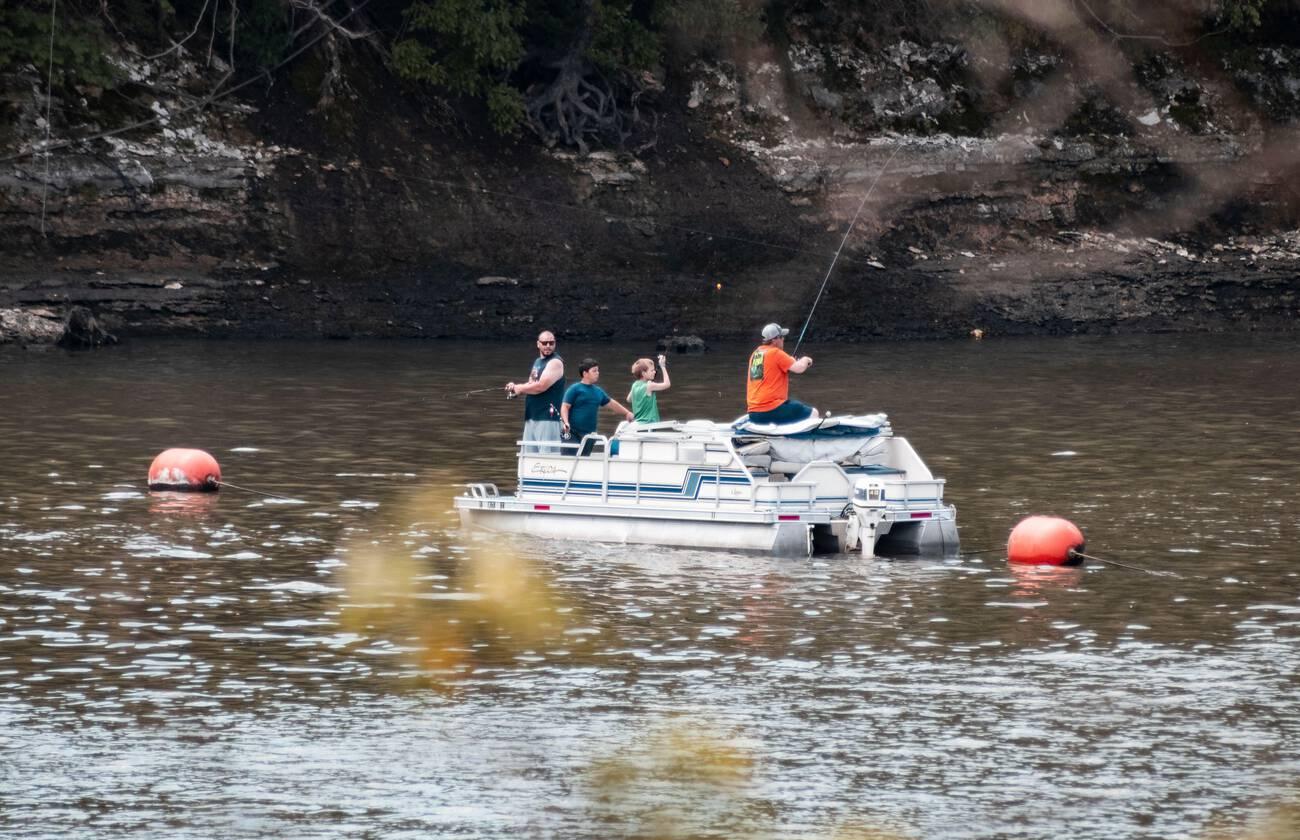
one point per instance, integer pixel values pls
(853, 439)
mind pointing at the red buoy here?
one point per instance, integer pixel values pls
(184, 469)
(1045, 541)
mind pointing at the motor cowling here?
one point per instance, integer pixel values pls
(869, 493)
(868, 509)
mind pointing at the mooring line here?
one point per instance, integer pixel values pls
(258, 492)
(981, 551)
(1156, 572)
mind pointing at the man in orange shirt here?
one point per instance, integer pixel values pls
(768, 393)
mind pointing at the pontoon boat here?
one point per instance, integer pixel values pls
(819, 486)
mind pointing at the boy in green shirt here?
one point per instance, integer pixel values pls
(645, 405)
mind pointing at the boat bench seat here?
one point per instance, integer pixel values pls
(786, 467)
(793, 467)
(756, 454)
(873, 469)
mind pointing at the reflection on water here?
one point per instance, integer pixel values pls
(343, 661)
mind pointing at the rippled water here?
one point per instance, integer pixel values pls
(200, 666)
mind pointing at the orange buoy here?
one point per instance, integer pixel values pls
(1045, 541)
(184, 469)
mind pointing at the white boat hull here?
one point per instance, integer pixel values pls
(789, 539)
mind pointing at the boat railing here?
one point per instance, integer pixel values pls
(927, 491)
(657, 448)
(610, 450)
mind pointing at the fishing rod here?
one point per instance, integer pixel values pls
(467, 394)
(836, 258)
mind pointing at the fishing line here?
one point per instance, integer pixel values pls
(836, 258)
(49, 101)
(575, 208)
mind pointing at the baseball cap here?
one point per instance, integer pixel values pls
(772, 331)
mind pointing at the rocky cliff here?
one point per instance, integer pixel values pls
(996, 187)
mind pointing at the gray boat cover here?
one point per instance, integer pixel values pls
(851, 439)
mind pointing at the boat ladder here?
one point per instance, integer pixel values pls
(486, 493)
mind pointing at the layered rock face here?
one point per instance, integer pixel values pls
(988, 187)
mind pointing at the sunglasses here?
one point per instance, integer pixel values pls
(546, 342)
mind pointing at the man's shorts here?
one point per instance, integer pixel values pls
(790, 411)
(542, 430)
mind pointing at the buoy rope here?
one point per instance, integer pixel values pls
(1158, 573)
(251, 490)
(836, 258)
(982, 551)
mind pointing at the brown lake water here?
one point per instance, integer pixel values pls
(349, 664)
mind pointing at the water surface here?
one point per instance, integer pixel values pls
(199, 666)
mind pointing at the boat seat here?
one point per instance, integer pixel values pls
(756, 455)
(786, 467)
(873, 469)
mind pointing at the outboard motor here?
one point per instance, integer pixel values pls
(868, 510)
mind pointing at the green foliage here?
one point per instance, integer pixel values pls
(505, 108)
(468, 47)
(462, 45)
(261, 32)
(80, 45)
(620, 41)
(260, 38)
(1241, 15)
(478, 48)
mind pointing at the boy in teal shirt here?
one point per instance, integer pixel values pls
(582, 402)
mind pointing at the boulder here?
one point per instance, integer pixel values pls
(81, 329)
(28, 326)
(681, 344)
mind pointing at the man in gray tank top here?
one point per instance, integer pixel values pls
(544, 393)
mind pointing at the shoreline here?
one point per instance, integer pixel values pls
(1075, 283)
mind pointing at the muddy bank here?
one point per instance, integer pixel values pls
(383, 217)
(1095, 285)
